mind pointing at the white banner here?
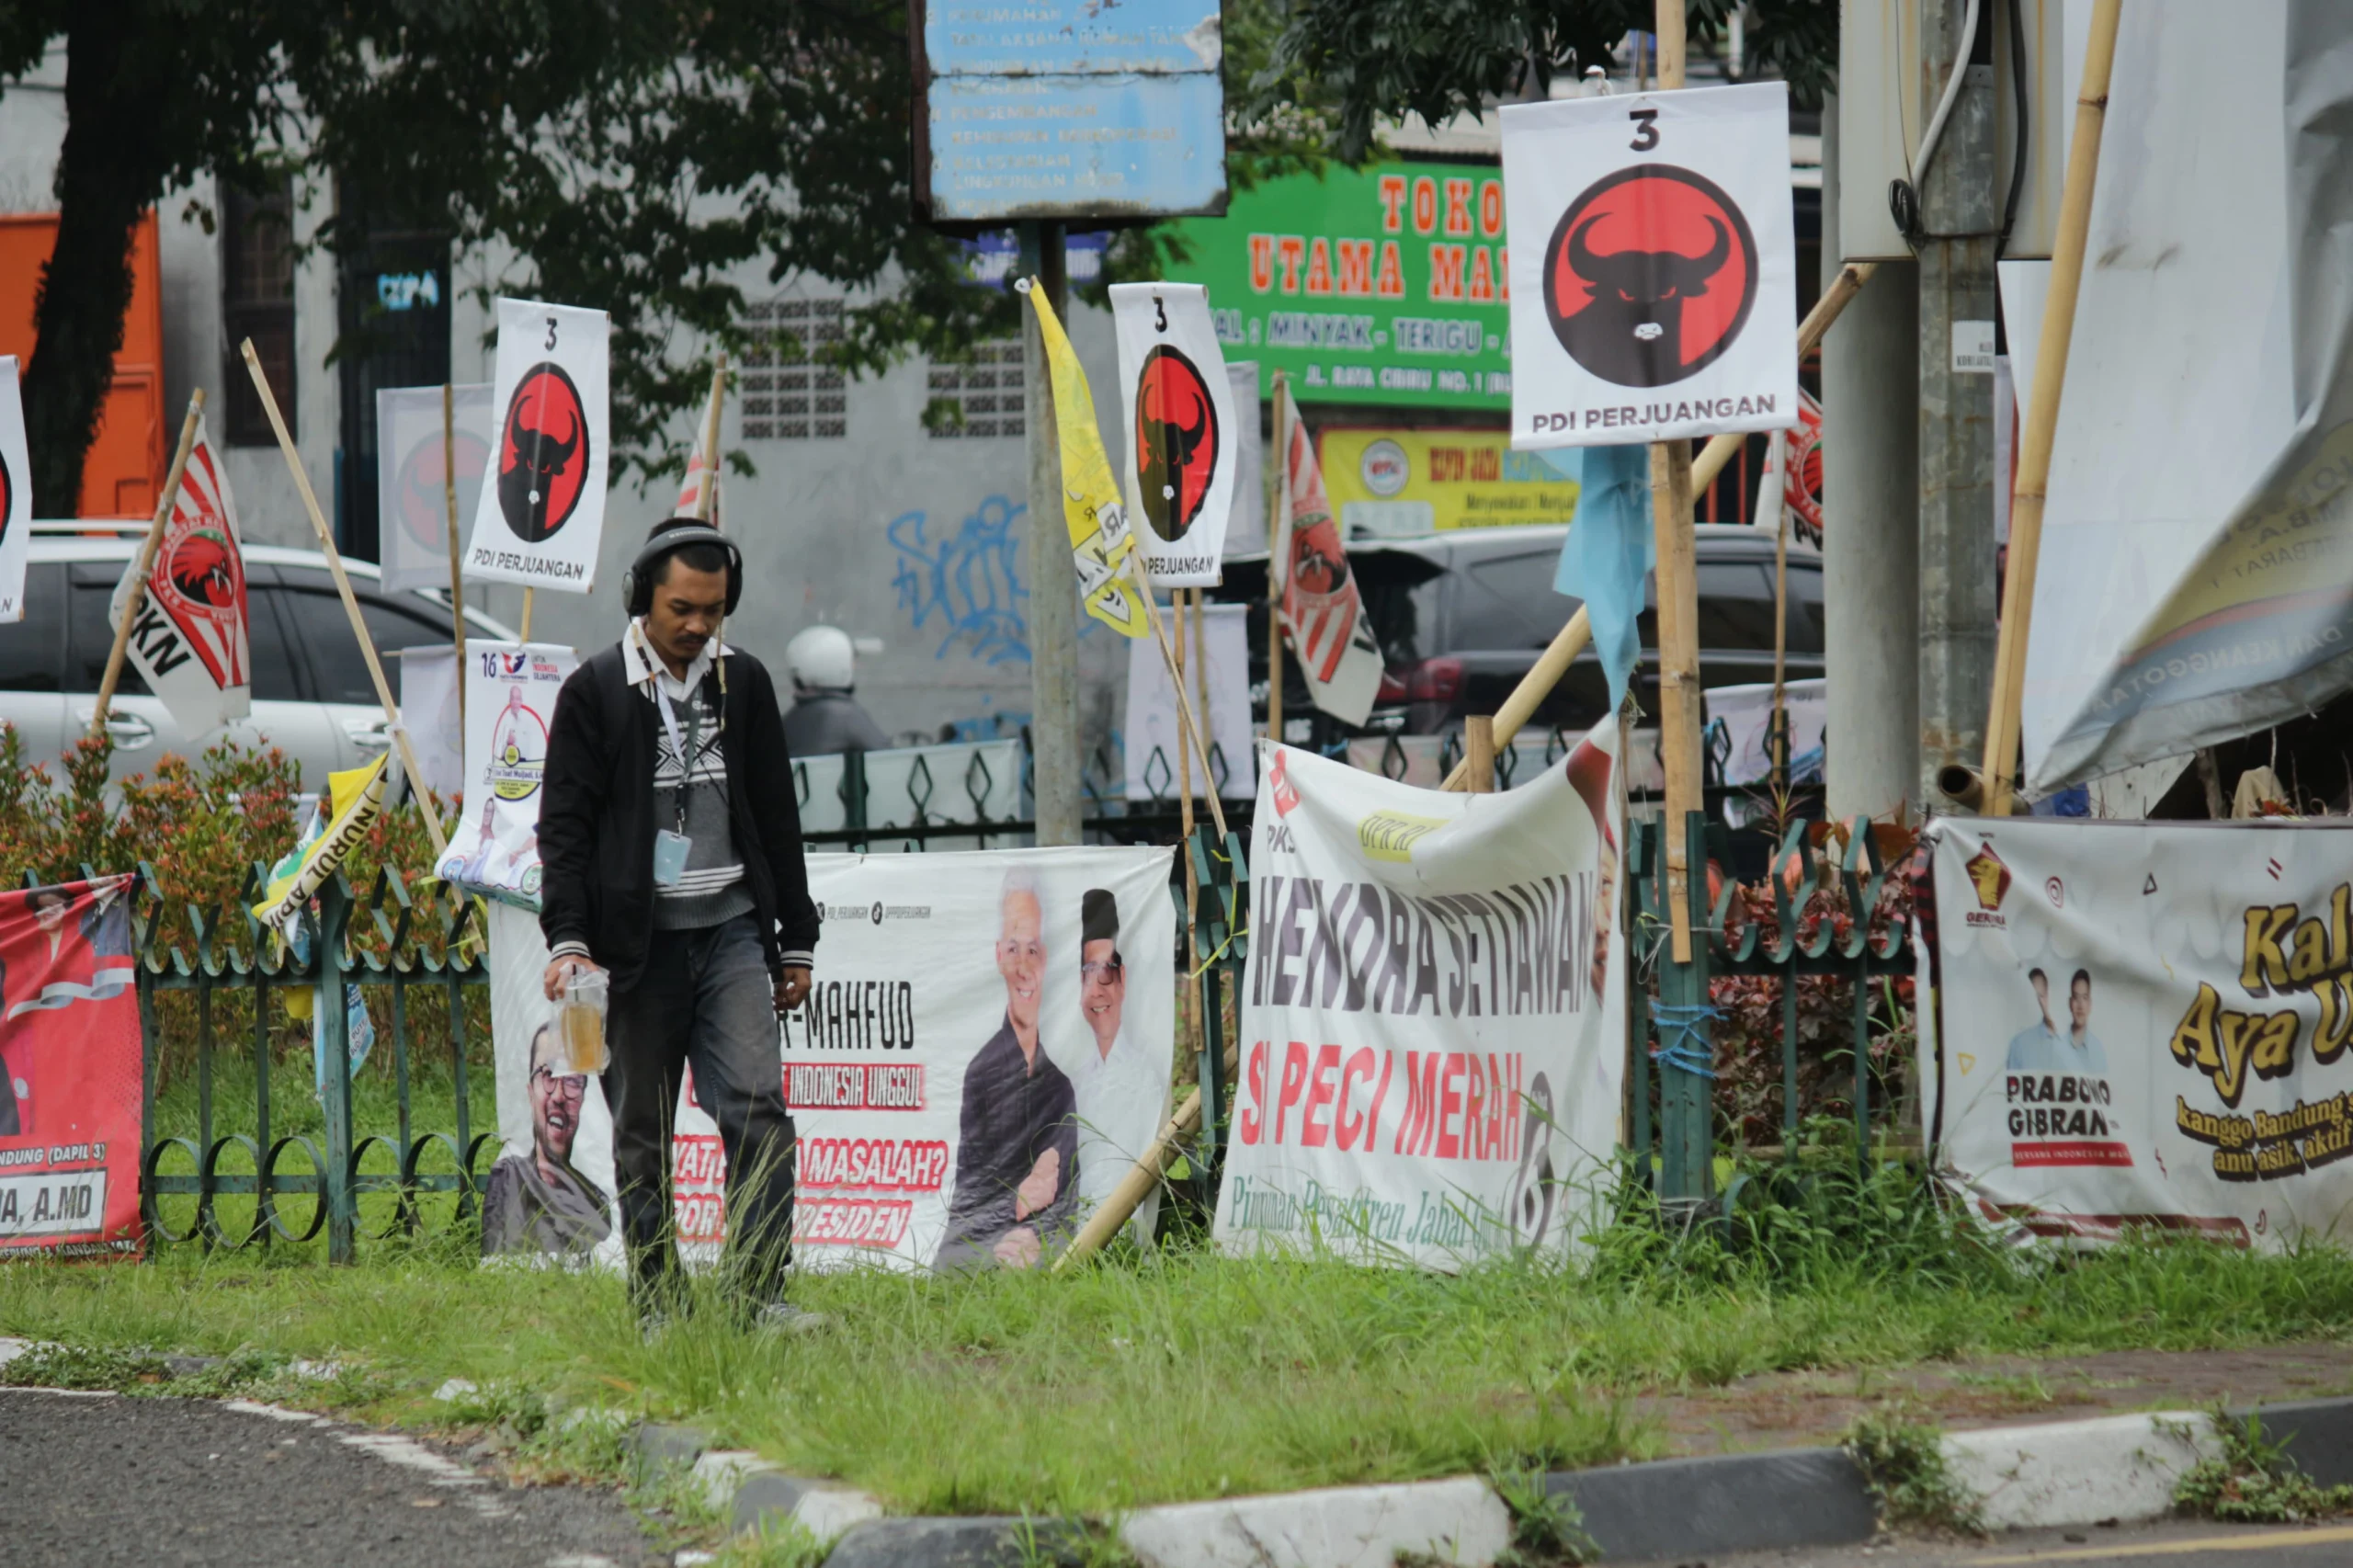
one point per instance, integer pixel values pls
(430, 712)
(189, 642)
(1183, 442)
(15, 495)
(510, 698)
(541, 522)
(411, 478)
(1153, 729)
(986, 1054)
(2145, 1024)
(1433, 1037)
(1653, 283)
(550, 1195)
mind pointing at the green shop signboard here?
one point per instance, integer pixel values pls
(1384, 285)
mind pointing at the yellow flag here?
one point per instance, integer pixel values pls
(355, 799)
(1100, 540)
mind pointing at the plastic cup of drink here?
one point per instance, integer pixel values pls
(580, 1020)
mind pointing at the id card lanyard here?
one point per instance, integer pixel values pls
(671, 849)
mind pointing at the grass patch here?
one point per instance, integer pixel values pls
(1903, 1460)
(2253, 1482)
(1179, 1374)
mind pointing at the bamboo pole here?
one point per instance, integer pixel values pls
(1826, 310)
(2043, 416)
(1192, 998)
(1478, 753)
(707, 501)
(343, 587)
(523, 633)
(1136, 1185)
(147, 548)
(1191, 732)
(1779, 734)
(449, 495)
(1538, 683)
(1678, 666)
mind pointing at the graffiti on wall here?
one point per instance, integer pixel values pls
(966, 580)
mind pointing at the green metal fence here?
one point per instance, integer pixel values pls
(1673, 1040)
(394, 939)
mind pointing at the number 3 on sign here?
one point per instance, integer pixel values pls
(1645, 138)
(1159, 313)
(550, 333)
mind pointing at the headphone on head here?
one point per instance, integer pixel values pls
(667, 538)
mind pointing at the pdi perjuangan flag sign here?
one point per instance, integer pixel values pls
(1653, 274)
(510, 700)
(2144, 1024)
(1433, 1036)
(70, 1070)
(413, 477)
(188, 643)
(15, 495)
(1183, 446)
(984, 1055)
(1323, 609)
(542, 516)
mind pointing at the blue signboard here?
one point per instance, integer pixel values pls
(1069, 37)
(1071, 109)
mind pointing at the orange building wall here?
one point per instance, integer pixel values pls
(125, 466)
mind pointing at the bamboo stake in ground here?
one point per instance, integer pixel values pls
(449, 495)
(2042, 414)
(523, 633)
(1479, 754)
(1136, 1185)
(1191, 1000)
(1779, 506)
(1678, 666)
(1192, 735)
(147, 548)
(343, 587)
(1533, 689)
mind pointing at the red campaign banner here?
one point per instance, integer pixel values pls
(69, 1070)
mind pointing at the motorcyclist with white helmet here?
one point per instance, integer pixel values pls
(824, 718)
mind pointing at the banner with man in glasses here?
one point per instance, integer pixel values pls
(549, 1196)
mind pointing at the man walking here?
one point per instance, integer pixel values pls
(670, 846)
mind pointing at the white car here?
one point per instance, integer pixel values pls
(311, 695)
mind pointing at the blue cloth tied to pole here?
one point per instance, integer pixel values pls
(1610, 551)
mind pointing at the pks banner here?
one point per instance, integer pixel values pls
(510, 698)
(986, 1054)
(1653, 283)
(1433, 1036)
(2144, 1024)
(1321, 608)
(542, 519)
(1184, 445)
(189, 642)
(15, 494)
(70, 1070)
(413, 470)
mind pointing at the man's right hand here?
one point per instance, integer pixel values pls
(560, 971)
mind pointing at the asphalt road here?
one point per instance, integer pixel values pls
(2130, 1546)
(109, 1480)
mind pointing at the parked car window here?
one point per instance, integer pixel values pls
(277, 660)
(339, 671)
(1735, 605)
(1805, 609)
(91, 634)
(1507, 602)
(32, 651)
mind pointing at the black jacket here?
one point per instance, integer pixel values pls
(596, 821)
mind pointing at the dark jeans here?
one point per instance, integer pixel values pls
(704, 997)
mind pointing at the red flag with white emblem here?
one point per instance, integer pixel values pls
(1329, 629)
(188, 641)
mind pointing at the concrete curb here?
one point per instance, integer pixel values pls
(1694, 1507)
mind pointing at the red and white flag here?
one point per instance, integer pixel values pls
(1329, 631)
(189, 642)
(690, 492)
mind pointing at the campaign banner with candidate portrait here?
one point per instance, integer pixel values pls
(1654, 275)
(511, 689)
(70, 1070)
(413, 468)
(1433, 1035)
(1184, 443)
(2144, 1024)
(550, 1196)
(984, 1055)
(540, 517)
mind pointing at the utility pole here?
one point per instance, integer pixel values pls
(1054, 577)
(1960, 220)
(1871, 546)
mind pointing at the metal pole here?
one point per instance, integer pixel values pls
(1960, 218)
(335, 1093)
(1053, 589)
(1871, 544)
(450, 499)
